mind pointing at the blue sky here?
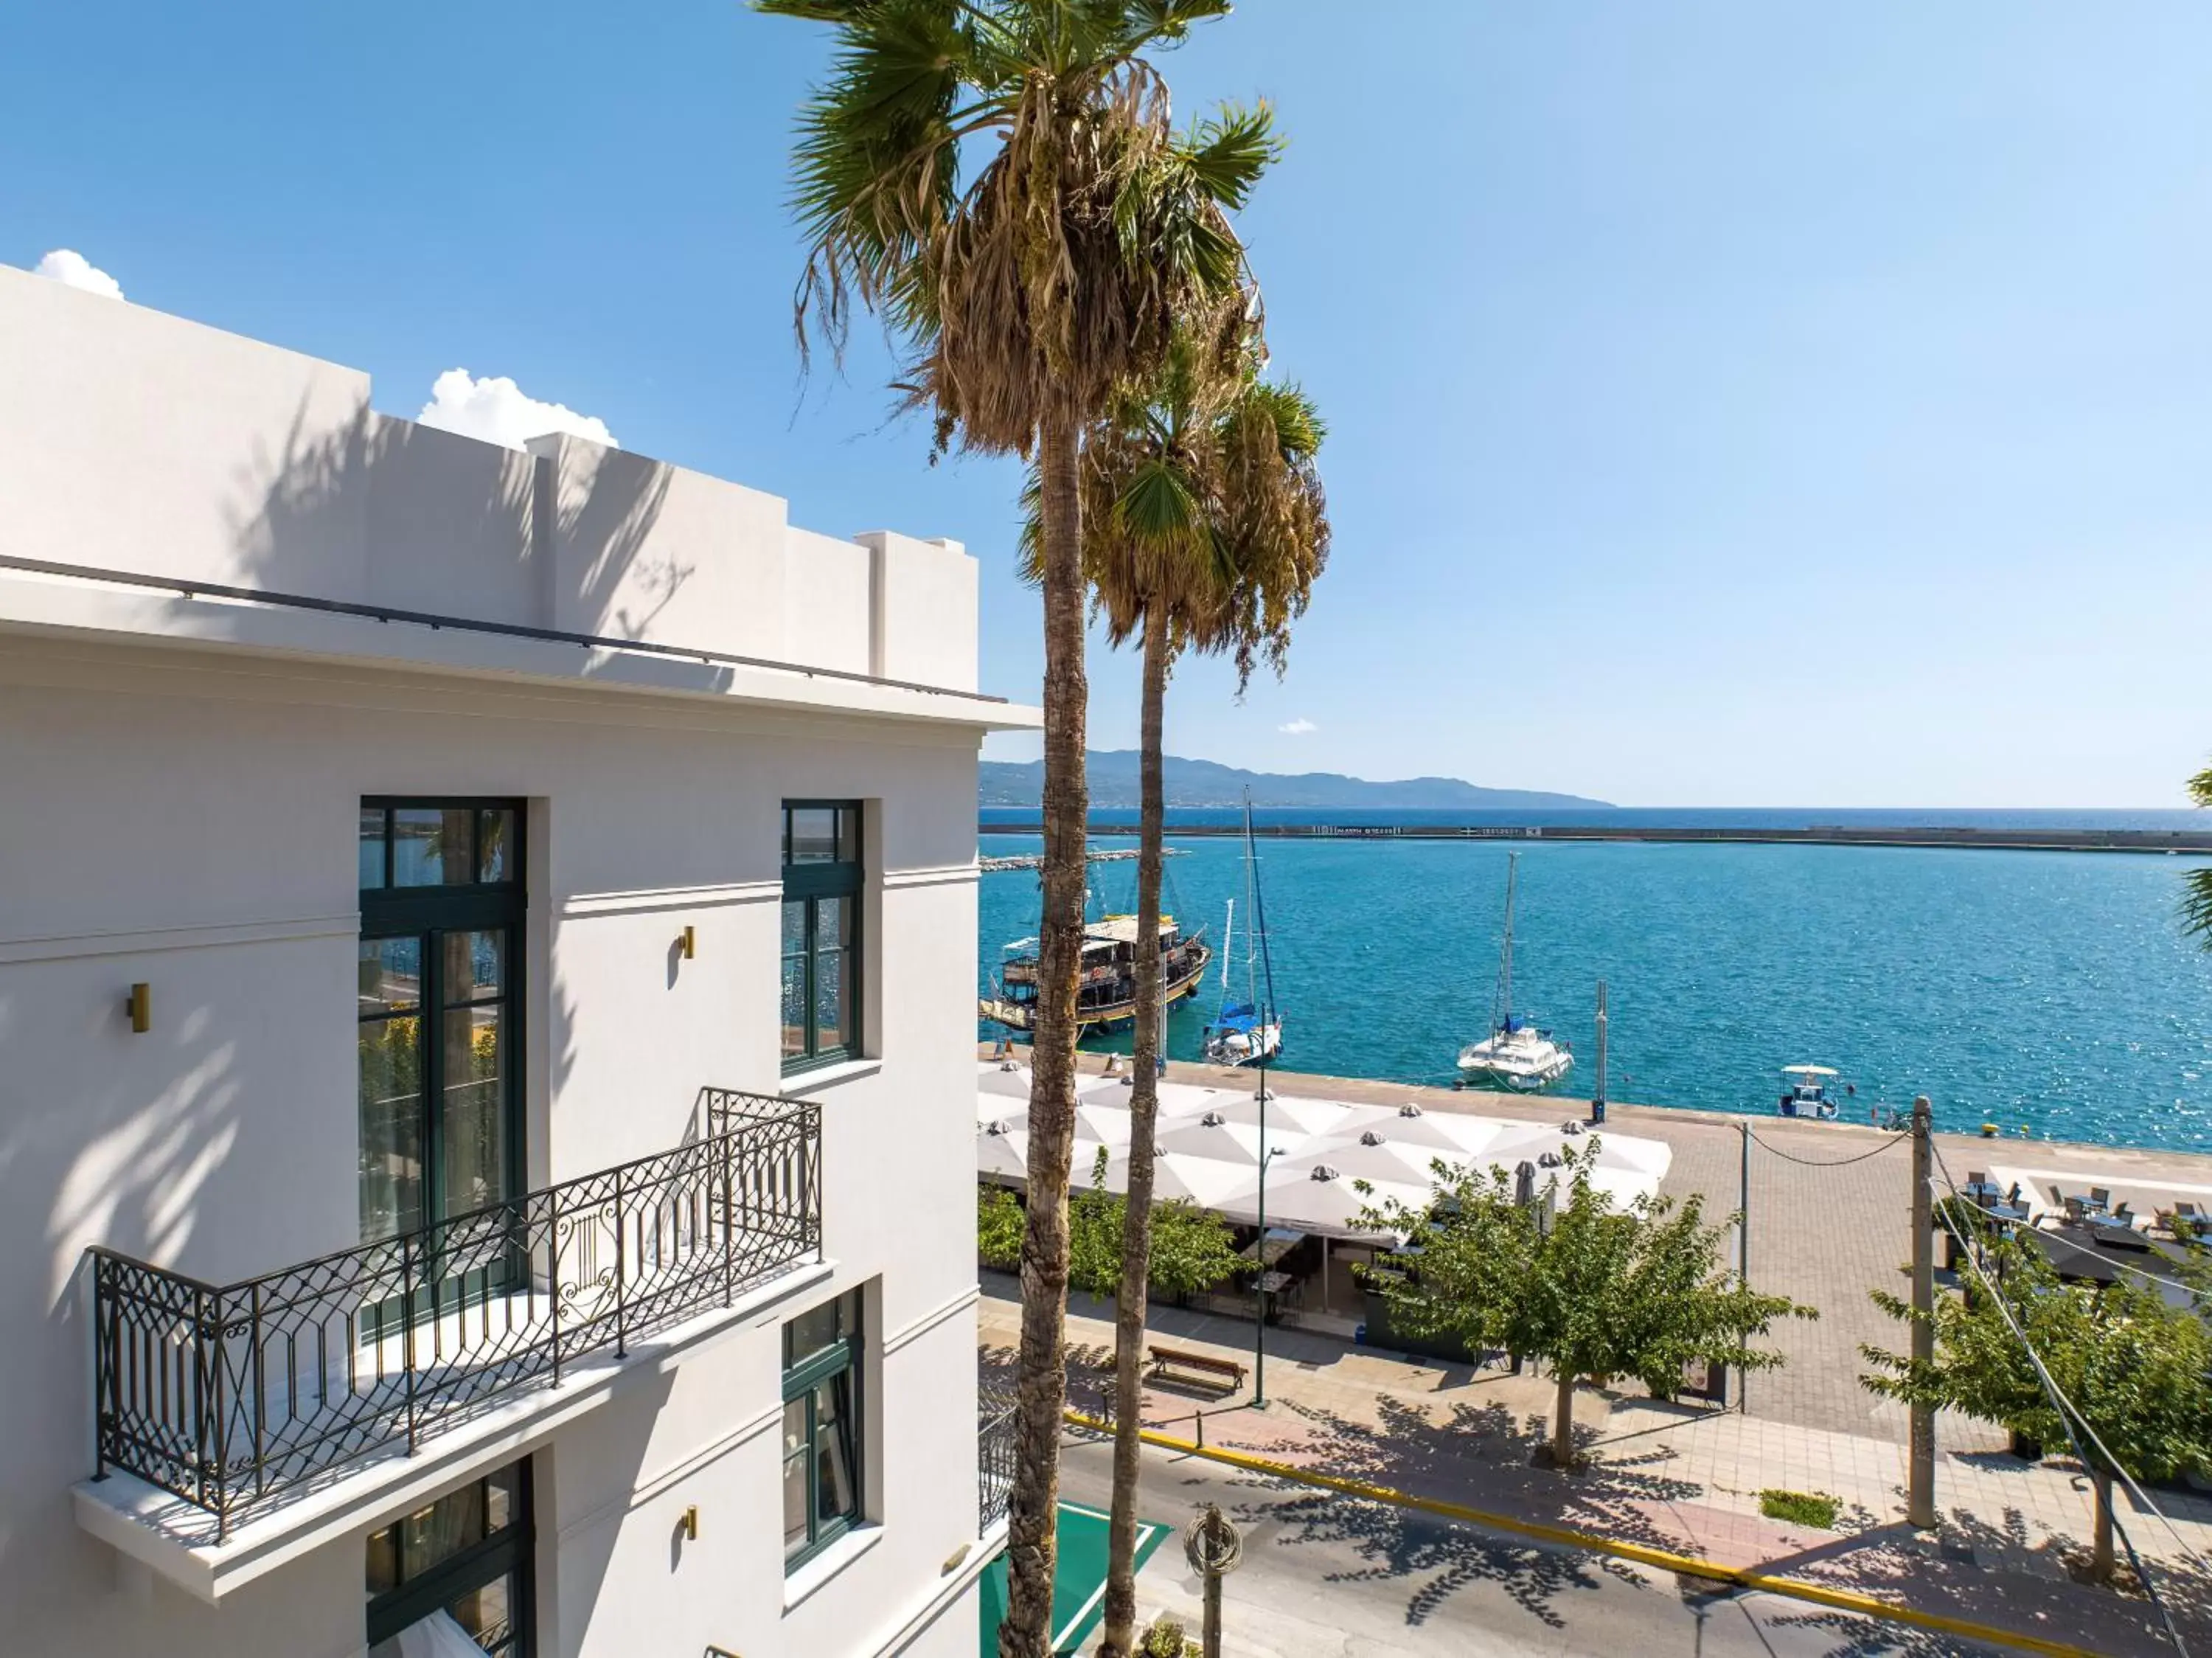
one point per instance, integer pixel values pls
(1732, 403)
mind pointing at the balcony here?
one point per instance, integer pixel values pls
(995, 1464)
(235, 1399)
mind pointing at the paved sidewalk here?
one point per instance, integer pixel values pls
(1682, 1478)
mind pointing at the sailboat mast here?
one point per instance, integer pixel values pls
(1228, 937)
(1258, 927)
(1506, 961)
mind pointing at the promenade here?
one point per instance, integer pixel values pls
(1830, 1208)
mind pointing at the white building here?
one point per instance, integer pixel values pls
(487, 943)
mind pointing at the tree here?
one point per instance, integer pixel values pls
(1020, 296)
(1596, 1291)
(1191, 1250)
(2196, 893)
(1204, 525)
(2133, 1369)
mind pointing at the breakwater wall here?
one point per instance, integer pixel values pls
(2196, 843)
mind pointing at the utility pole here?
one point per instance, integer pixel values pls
(1743, 1245)
(1213, 1546)
(1920, 1496)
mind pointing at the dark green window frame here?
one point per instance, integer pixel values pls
(480, 842)
(832, 1362)
(823, 878)
(506, 1551)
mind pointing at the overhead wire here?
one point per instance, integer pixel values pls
(2070, 1417)
(2126, 1479)
(1826, 1162)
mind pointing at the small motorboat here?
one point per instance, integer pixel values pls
(1809, 1091)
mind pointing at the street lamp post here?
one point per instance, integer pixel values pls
(1259, 1248)
(1267, 1154)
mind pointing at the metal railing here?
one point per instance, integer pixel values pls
(994, 1464)
(229, 1395)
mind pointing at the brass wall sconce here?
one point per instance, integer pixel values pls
(139, 1006)
(692, 1514)
(688, 942)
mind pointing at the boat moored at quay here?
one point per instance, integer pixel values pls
(1106, 992)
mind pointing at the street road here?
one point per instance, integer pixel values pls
(1328, 1576)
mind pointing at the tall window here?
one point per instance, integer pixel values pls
(822, 1447)
(822, 879)
(442, 910)
(455, 1574)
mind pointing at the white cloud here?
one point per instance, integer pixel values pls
(1298, 728)
(71, 268)
(498, 410)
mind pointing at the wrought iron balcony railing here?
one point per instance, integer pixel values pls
(228, 1395)
(994, 1463)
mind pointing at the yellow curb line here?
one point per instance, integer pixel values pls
(1796, 1589)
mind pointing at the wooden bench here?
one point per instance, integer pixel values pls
(1202, 1369)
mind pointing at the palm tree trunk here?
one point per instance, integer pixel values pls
(1563, 1419)
(1041, 1390)
(2100, 1559)
(1144, 1120)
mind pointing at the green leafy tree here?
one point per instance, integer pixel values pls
(2135, 1369)
(1205, 527)
(2196, 893)
(1021, 294)
(1192, 1248)
(1592, 1290)
(997, 1227)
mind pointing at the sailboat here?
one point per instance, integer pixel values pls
(1514, 1055)
(1250, 1032)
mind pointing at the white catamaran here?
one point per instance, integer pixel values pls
(1250, 1032)
(1514, 1055)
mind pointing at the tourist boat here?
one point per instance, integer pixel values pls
(1807, 1091)
(1515, 1054)
(1106, 992)
(1250, 1032)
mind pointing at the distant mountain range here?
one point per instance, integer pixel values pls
(1113, 775)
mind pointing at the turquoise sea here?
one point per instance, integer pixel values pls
(2048, 991)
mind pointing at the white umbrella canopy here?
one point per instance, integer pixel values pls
(1290, 1116)
(1205, 1181)
(1004, 1155)
(1455, 1137)
(995, 1080)
(1303, 1199)
(1100, 1124)
(1389, 1160)
(1176, 1098)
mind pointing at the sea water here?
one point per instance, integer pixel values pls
(2051, 991)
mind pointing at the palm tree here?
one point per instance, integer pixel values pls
(1204, 525)
(1021, 296)
(2197, 895)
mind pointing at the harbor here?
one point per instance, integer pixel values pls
(1829, 1207)
(2049, 995)
(2178, 842)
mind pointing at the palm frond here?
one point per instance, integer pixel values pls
(1229, 150)
(2197, 906)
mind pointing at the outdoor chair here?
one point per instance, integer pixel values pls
(2076, 1208)
(2187, 1210)
(1977, 1177)
(2011, 1198)
(2101, 1196)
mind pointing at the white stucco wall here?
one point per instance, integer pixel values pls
(187, 819)
(137, 441)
